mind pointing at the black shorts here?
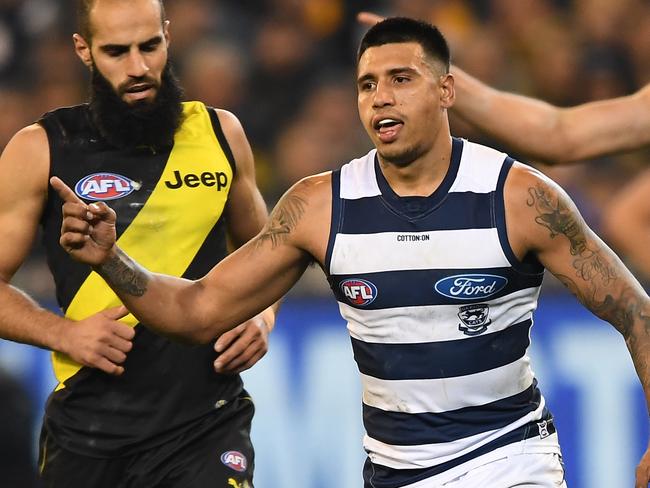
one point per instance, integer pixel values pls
(214, 452)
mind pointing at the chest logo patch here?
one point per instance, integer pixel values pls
(105, 186)
(471, 286)
(359, 292)
(234, 460)
(474, 318)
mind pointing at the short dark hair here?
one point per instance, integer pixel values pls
(83, 17)
(403, 29)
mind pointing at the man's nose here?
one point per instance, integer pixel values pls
(137, 65)
(384, 95)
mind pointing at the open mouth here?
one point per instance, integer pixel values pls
(387, 128)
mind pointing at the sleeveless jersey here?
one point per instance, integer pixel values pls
(439, 311)
(169, 205)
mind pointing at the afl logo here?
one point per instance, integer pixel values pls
(359, 292)
(234, 460)
(471, 286)
(105, 186)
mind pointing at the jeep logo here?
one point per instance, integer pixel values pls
(218, 179)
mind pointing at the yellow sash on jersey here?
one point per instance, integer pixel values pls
(169, 230)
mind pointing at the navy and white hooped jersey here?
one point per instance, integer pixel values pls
(439, 311)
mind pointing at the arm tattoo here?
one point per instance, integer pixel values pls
(599, 282)
(556, 216)
(283, 219)
(125, 275)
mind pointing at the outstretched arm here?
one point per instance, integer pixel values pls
(542, 219)
(242, 285)
(552, 134)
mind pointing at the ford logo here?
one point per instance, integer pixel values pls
(470, 286)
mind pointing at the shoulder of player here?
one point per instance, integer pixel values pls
(236, 137)
(26, 158)
(307, 203)
(534, 204)
(315, 189)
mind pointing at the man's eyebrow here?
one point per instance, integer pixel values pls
(401, 69)
(393, 71)
(366, 77)
(124, 47)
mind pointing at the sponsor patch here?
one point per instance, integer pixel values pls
(234, 460)
(359, 292)
(471, 286)
(474, 318)
(105, 186)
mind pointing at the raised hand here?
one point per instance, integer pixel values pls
(369, 19)
(88, 231)
(99, 341)
(241, 347)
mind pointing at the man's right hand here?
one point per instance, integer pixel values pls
(88, 231)
(99, 341)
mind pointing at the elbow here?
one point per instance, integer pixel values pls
(207, 332)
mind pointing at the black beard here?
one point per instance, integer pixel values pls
(142, 123)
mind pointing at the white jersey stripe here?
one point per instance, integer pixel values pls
(445, 249)
(443, 394)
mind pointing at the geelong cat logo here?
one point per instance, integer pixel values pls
(471, 286)
(359, 292)
(234, 460)
(105, 186)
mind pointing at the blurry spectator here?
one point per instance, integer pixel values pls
(216, 73)
(325, 131)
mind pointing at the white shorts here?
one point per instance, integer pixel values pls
(531, 463)
(531, 470)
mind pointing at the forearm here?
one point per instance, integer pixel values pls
(160, 302)
(615, 296)
(524, 124)
(629, 313)
(25, 321)
(552, 134)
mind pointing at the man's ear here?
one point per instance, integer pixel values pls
(82, 48)
(447, 91)
(166, 32)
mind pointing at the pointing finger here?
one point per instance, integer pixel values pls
(64, 191)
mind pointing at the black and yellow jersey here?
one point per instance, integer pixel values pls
(169, 205)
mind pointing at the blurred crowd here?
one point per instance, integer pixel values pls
(286, 69)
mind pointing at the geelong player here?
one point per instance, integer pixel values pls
(439, 320)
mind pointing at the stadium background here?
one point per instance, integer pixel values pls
(286, 68)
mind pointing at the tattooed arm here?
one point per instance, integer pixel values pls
(543, 220)
(239, 287)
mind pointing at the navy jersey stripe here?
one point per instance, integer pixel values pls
(378, 476)
(464, 210)
(530, 264)
(337, 210)
(414, 288)
(408, 429)
(444, 359)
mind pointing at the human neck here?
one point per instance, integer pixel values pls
(422, 176)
